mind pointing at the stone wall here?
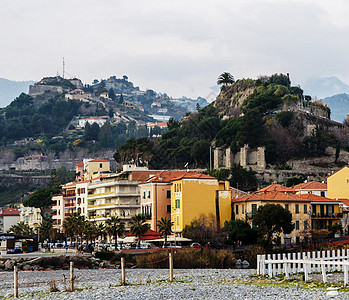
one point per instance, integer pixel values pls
(246, 157)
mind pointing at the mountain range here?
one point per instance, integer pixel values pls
(332, 91)
(9, 90)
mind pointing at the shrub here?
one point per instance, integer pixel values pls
(105, 255)
(250, 254)
(190, 259)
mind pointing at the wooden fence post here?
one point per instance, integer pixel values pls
(71, 276)
(170, 254)
(123, 279)
(15, 282)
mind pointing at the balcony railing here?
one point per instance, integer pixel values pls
(69, 205)
(327, 215)
(68, 214)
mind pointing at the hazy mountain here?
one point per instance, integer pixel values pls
(339, 105)
(9, 90)
(325, 87)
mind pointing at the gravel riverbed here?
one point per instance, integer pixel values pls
(154, 284)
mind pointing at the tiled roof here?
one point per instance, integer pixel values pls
(143, 175)
(9, 212)
(99, 160)
(80, 164)
(166, 176)
(316, 198)
(275, 188)
(312, 185)
(193, 175)
(270, 196)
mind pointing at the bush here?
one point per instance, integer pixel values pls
(250, 254)
(190, 259)
(105, 255)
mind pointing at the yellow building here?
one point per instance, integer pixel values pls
(94, 168)
(309, 212)
(193, 195)
(338, 184)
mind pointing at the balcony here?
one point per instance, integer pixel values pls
(68, 214)
(69, 196)
(327, 216)
(72, 205)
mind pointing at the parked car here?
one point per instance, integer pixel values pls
(195, 245)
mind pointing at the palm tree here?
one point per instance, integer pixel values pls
(115, 227)
(89, 231)
(74, 226)
(21, 229)
(101, 230)
(138, 226)
(225, 79)
(165, 227)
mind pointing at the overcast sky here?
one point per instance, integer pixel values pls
(178, 47)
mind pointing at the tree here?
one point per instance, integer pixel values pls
(21, 229)
(111, 94)
(139, 226)
(44, 230)
(40, 199)
(115, 227)
(74, 226)
(225, 79)
(165, 227)
(242, 178)
(238, 230)
(271, 220)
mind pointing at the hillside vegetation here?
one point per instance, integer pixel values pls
(253, 112)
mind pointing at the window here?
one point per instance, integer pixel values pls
(177, 220)
(297, 225)
(243, 208)
(322, 194)
(168, 194)
(101, 165)
(169, 208)
(237, 209)
(305, 225)
(297, 209)
(143, 195)
(305, 207)
(254, 209)
(177, 203)
(287, 207)
(148, 194)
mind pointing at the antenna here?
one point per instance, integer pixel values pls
(63, 67)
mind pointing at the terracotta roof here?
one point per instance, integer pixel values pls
(315, 198)
(344, 201)
(166, 176)
(9, 212)
(143, 175)
(80, 164)
(275, 188)
(312, 185)
(70, 184)
(99, 160)
(272, 196)
(194, 175)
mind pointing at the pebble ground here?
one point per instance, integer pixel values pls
(154, 284)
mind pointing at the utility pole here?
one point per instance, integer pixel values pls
(63, 67)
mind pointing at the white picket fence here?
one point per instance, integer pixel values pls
(306, 262)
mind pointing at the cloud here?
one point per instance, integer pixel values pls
(179, 47)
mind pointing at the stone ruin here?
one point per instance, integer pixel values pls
(246, 157)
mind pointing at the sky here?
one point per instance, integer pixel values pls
(178, 47)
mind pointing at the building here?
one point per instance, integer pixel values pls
(90, 120)
(32, 162)
(245, 208)
(156, 196)
(309, 212)
(312, 187)
(193, 195)
(92, 168)
(8, 217)
(338, 184)
(32, 215)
